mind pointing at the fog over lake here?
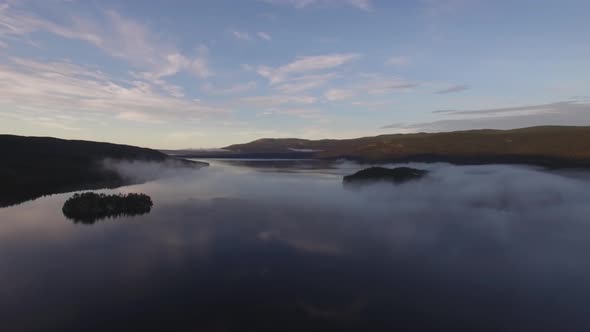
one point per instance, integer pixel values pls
(284, 246)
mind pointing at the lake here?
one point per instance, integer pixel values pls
(284, 246)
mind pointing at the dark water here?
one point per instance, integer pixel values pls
(282, 246)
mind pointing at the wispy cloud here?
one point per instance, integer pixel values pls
(303, 113)
(339, 94)
(398, 61)
(116, 35)
(372, 104)
(139, 117)
(306, 64)
(540, 108)
(365, 5)
(58, 87)
(376, 84)
(264, 35)
(580, 98)
(305, 82)
(241, 35)
(270, 101)
(230, 90)
(453, 88)
(247, 67)
(246, 36)
(370, 84)
(399, 125)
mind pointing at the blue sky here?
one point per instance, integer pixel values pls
(191, 74)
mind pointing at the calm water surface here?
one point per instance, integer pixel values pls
(283, 246)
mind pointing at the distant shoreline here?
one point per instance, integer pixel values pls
(542, 161)
(546, 146)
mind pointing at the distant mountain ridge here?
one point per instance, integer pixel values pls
(553, 146)
(35, 166)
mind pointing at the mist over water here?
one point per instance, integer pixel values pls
(283, 245)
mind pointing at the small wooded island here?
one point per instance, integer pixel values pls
(89, 207)
(395, 175)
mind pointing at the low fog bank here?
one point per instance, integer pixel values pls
(465, 211)
(515, 208)
(479, 193)
(490, 189)
(143, 171)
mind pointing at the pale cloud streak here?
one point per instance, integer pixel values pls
(370, 84)
(365, 5)
(303, 113)
(398, 61)
(230, 90)
(453, 89)
(265, 36)
(241, 35)
(305, 64)
(270, 101)
(139, 117)
(305, 82)
(377, 84)
(519, 110)
(339, 94)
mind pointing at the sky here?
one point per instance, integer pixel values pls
(204, 74)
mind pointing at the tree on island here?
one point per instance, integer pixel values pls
(395, 175)
(90, 207)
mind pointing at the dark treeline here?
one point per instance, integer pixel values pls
(32, 167)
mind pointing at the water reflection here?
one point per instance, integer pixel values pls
(112, 217)
(231, 248)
